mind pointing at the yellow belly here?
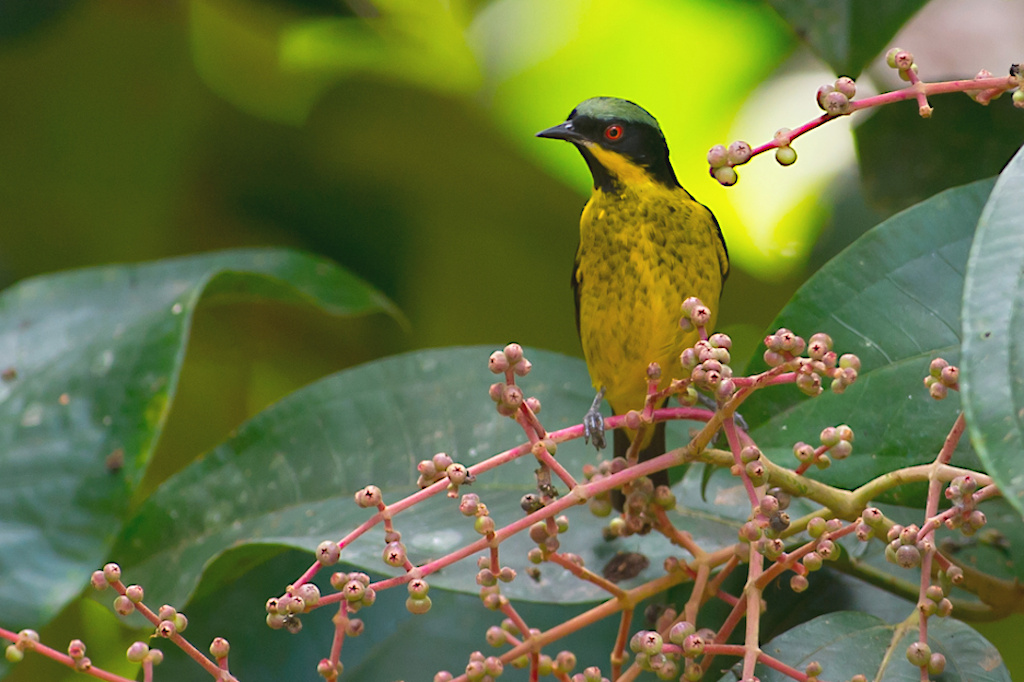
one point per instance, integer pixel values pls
(641, 254)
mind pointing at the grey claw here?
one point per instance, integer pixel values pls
(593, 429)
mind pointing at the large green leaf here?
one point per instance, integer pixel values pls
(849, 643)
(905, 159)
(893, 298)
(993, 318)
(847, 34)
(91, 362)
(287, 478)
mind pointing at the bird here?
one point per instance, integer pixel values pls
(645, 246)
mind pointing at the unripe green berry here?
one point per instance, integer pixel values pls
(903, 60)
(829, 436)
(872, 516)
(418, 588)
(845, 85)
(370, 496)
(123, 605)
(908, 556)
(726, 176)
(166, 629)
(890, 57)
(137, 652)
(1018, 98)
(785, 156)
(841, 450)
(394, 554)
(693, 645)
(680, 631)
(13, 654)
(812, 561)
(417, 606)
(804, 453)
(798, 583)
(484, 525)
(918, 654)
(495, 636)
(751, 453)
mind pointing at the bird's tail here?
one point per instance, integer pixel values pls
(654, 448)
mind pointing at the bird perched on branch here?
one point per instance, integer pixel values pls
(645, 246)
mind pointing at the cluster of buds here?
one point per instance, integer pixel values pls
(901, 60)
(668, 659)
(767, 520)
(708, 364)
(284, 611)
(785, 349)
(905, 547)
(487, 578)
(825, 549)
(942, 377)
(511, 362)
(600, 504)
(722, 160)
(442, 466)
(920, 654)
(545, 534)
(27, 640)
(750, 461)
(835, 99)
(964, 516)
(836, 443)
(355, 587)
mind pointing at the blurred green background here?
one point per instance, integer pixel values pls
(396, 137)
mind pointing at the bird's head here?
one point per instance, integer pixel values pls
(621, 142)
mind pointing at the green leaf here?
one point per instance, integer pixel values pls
(847, 34)
(905, 159)
(892, 298)
(849, 643)
(993, 362)
(287, 479)
(92, 359)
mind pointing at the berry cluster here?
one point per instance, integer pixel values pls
(836, 99)
(665, 659)
(785, 349)
(942, 377)
(836, 443)
(963, 515)
(768, 520)
(708, 364)
(509, 397)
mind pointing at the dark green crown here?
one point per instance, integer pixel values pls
(641, 140)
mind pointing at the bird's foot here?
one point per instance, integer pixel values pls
(593, 423)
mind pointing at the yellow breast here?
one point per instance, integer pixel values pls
(642, 252)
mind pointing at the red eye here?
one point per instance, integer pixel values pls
(613, 133)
